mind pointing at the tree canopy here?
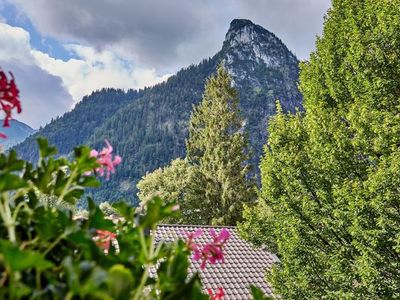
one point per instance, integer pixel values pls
(331, 175)
(214, 181)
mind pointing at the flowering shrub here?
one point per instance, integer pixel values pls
(105, 160)
(9, 98)
(211, 252)
(47, 253)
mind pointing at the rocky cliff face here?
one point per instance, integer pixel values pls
(252, 54)
(246, 41)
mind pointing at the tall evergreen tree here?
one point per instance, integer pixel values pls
(218, 146)
(214, 181)
(331, 177)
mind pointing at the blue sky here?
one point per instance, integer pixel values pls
(62, 50)
(13, 17)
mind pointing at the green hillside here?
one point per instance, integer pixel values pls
(148, 128)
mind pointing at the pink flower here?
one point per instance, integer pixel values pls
(175, 207)
(213, 251)
(218, 295)
(9, 98)
(104, 238)
(105, 160)
(222, 237)
(190, 236)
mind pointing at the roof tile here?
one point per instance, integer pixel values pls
(244, 265)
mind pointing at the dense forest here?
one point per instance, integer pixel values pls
(148, 127)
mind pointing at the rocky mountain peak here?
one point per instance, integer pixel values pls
(250, 50)
(242, 31)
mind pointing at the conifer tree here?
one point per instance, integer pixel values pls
(214, 181)
(218, 146)
(331, 177)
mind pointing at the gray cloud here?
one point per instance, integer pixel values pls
(42, 95)
(296, 22)
(170, 34)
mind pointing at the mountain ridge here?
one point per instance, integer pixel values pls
(148, 128)
(16, 133)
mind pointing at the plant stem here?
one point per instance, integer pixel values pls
(149, 253)
(56, 241)
(6, 215)
(67, 186)
(139, 290)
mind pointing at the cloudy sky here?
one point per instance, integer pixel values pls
(61, 50)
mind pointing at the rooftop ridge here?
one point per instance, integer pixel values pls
(193, 225)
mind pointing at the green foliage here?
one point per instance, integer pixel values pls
(257, 227)
(169, 183)
(149, 127)
(217, 147)
(258, 294)
(213, 182)
(45, 253)
(331, 176)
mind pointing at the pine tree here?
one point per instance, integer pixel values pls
(218, 147)
(213, 182)
(331, 177)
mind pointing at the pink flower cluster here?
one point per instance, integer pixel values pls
(211, 252)
(105, 160)
(104, 238)
(9, 100)
(218, 295)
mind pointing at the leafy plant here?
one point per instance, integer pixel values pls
(46, 254)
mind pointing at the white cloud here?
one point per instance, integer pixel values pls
(59, 80)
(172, 34)
(15, 45)
(94, 70)
(43, 95)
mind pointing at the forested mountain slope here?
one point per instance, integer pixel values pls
(76, 126)
(148, 128)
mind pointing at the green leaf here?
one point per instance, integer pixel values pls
(89, 181)
(120, 281)
(125, 210)
(50, 223)
(19, 260)
(45, 150)
(96, 218)
(9, 182)
(74, 195)
(156, 211)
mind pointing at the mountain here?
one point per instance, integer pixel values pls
(148, 127)
(75, 127)
(16, 133)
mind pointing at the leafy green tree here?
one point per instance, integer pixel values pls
(331, 176)
(218, 147)
(168, 182)
(214, 180)
(171, 184)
